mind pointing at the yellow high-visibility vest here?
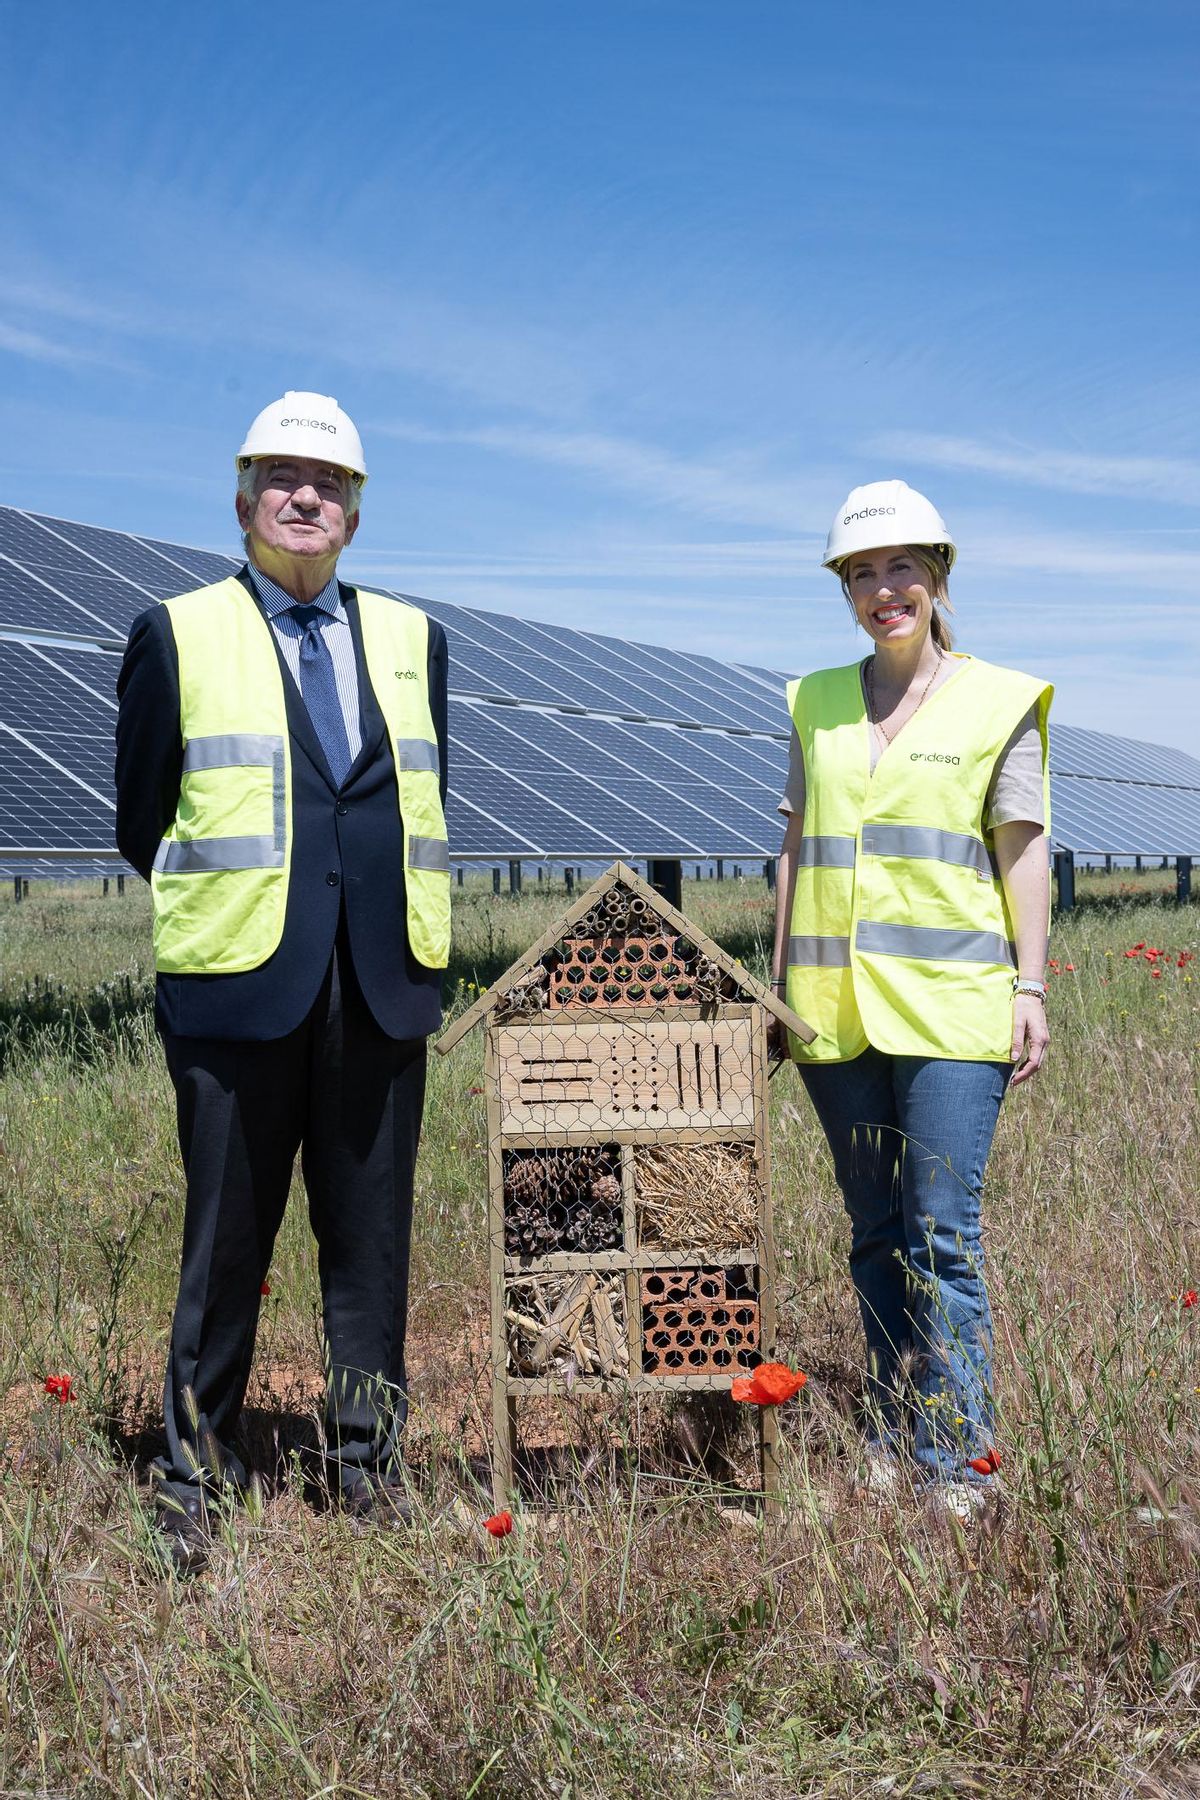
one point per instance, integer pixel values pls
(220, 879)
(900, 933)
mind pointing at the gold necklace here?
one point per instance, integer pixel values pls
(876, 721)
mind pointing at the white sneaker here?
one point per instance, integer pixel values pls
(961, 1500)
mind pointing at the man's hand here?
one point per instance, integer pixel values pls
(1031, 1034)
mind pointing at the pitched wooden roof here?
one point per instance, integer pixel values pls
(620, 873)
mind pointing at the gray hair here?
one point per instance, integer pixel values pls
(247, 485)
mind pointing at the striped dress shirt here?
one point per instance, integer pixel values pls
(335, 629)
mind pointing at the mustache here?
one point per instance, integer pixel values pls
(291, 517)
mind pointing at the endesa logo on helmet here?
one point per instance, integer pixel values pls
(312, 424)
(870, 512)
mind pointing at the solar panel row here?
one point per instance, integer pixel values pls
(564, 743)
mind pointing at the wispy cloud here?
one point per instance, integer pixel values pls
(15, 340)
(1068, 471)
(732, 490)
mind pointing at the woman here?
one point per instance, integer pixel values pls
(911, 934)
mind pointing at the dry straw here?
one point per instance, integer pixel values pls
(696, 1196)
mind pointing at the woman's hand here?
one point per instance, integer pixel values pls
(1031, 1034)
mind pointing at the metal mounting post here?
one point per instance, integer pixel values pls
(1064, 872)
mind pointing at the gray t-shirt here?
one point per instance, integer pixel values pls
(1014, 792)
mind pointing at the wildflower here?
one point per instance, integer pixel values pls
(1156, 974)
(60, 1387)
(265, 1289)
(1139, 946)
(1070, 968)
(1185, 957)
(1188, 1300)
(500, 1524)
(1130, 953)
(473, 1091)
(769, 1385)
(987, 1464)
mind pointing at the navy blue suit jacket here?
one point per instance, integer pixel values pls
(347, 851)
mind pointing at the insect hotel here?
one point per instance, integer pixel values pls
(628, 1163)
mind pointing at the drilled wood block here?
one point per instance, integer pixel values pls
(611, 1074)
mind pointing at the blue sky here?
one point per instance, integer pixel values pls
(624, 298)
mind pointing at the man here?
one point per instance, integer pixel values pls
(281, 779)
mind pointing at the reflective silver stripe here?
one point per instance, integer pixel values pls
(929, 943)
(429, 853)
(201, 856)
(818, 952)
(198, 856)
(826, 853)
(927, 841)
(232, 749)
(417, 753)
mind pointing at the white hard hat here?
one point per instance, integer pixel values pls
(311, 425)
(886, 512)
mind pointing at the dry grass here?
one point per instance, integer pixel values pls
(697, 1194)
(649, 1634)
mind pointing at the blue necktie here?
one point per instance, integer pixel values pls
(319, 688)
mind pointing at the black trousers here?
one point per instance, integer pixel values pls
(350, 1099)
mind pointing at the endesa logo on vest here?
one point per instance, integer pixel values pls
(934, 756)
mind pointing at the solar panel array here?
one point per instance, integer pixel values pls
(565, 744)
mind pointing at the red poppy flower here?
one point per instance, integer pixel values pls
(1070, 968)
(1188, 1300)
(1185, 957)
(1139, 946)
(473, 1091)
(1156, 974)
(1129, 953)
(769, 1385)
(60, 1387)
(500, 1524)
(987, 1464)
(265, 1289)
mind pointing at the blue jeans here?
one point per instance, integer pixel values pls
(910, 1136)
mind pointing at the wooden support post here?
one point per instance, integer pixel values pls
(514, 876)
(104, 888)
(460, 874)
(769, 874)
(1137, 863)
(720, 870)
(569, 877)
(120, 887)
(1064, 871)
(1108, 865)
(17, 894)
(495, 881)
(1183, 879)
(666, 878)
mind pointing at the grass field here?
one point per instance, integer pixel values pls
(648, 1637)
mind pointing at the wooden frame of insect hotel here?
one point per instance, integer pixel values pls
(625, 1070)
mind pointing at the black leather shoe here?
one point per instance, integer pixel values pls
(383, 1503)
(183, 1534)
